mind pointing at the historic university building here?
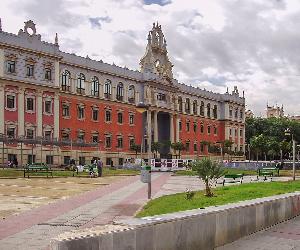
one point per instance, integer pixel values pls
(55, 106)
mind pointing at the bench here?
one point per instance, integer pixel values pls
(234, 178)
(268, 172)
(37, 168)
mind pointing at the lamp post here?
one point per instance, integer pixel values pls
(288, 132)
(141, 108)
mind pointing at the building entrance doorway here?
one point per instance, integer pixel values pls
(163, 122)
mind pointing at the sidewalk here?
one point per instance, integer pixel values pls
(34, 229)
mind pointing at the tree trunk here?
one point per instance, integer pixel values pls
(208, 192)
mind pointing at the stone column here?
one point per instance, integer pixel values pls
(56, 72)
(149, 137)
(21, 111)
(239, 138)
(2, 64)
(2, 105)
(39, 114)
(172, 128)
(113, 92)
(155, 126)
(56, 117)
(177, 128)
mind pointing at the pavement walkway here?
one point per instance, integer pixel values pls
(32, 230)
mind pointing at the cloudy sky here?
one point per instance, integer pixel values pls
(214, 44)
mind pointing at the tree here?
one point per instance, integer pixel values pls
(209, 171)
(136, 148)
(178, 146)
(258, 143)
(155, 147)
(227, 146)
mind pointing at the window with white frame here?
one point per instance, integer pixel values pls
(30, 133)
(48, 106)
(120, 91)
(11, 132)
(95, 114)
(119, 142)
(95, 137)
(80, 112)
(95, 86)
(48, 74)
(29, 70)
(108, 116)
(10, 66)
(10, 101)
(131, 94)
(80, 83)
(66, 80)
(80, 136)
(47, 135)
(65, 135)
(65, 110)
(131, 142)
(107, 89)
(131, 119)
(108, 141)
(120, 118)
(30, 104)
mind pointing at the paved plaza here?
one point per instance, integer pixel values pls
(101, 205)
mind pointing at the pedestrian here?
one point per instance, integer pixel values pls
(99, 167)
(16, 162)
(111, 164)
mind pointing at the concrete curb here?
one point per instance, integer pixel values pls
(193, 229)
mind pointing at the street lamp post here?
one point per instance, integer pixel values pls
(141, 108)
(288, 132)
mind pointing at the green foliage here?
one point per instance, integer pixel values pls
(208, 170)
(178, 146)
(267, 138)
(223, 195)
(136, 148)
(155, 147)
(189, 194)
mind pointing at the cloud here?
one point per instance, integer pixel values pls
(213, 44)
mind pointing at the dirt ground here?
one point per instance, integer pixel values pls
(20, 194)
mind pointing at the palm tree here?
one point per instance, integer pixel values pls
(209, 171)
(136, 148)
(178, 146)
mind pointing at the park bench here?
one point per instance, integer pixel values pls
(233, 178)
(37, 168)
(268, 172)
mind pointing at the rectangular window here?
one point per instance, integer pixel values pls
(131, 119)
(187, 146)
(188, 126)
(47, 135)
(30, 133)
(241, 133)
(65, 110)
(131, 142)
(208, 129)
(215, 131)
(31, 159)
(121, 161)
(107, 116)
(29, 104)
(230, 112)
(81, 160)
(195, 147)
(95, 138)
(108, 161)
(202, 128)
(241, 114)
(67, 160)
(49, 159)
(120, 118)
(48, 75)
(201, 147)
(11, 132)
(108, 142)
(80, 112)
(48, 107)
(10, 101)
(11, 66)
(180, 126)
(120, 142)
(195, 127)
(80, 136)
(65, 136)
(161, 97)
(29, 70)
(95, 114)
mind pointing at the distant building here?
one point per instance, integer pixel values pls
(275, 111)
(249, 114)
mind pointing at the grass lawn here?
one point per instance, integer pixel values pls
(15, 173)
(223, 195)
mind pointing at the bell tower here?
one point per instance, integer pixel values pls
(156, 58)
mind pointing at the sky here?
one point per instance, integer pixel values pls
(213, 44)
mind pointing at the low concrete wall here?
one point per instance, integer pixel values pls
(193, 229)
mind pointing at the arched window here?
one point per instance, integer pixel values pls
(202, 108)
(80, 83)
(65, 80)
(120, 91)
(187, 105)
(180, 104)
(107, 89)
(195, 104)
(215, 111)
(131, 94)
(95, 86)
(208, 110)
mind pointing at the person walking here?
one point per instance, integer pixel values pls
(99, 167)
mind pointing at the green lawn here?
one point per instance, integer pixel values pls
(227, 171)
(223, 195)
(14, 173)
